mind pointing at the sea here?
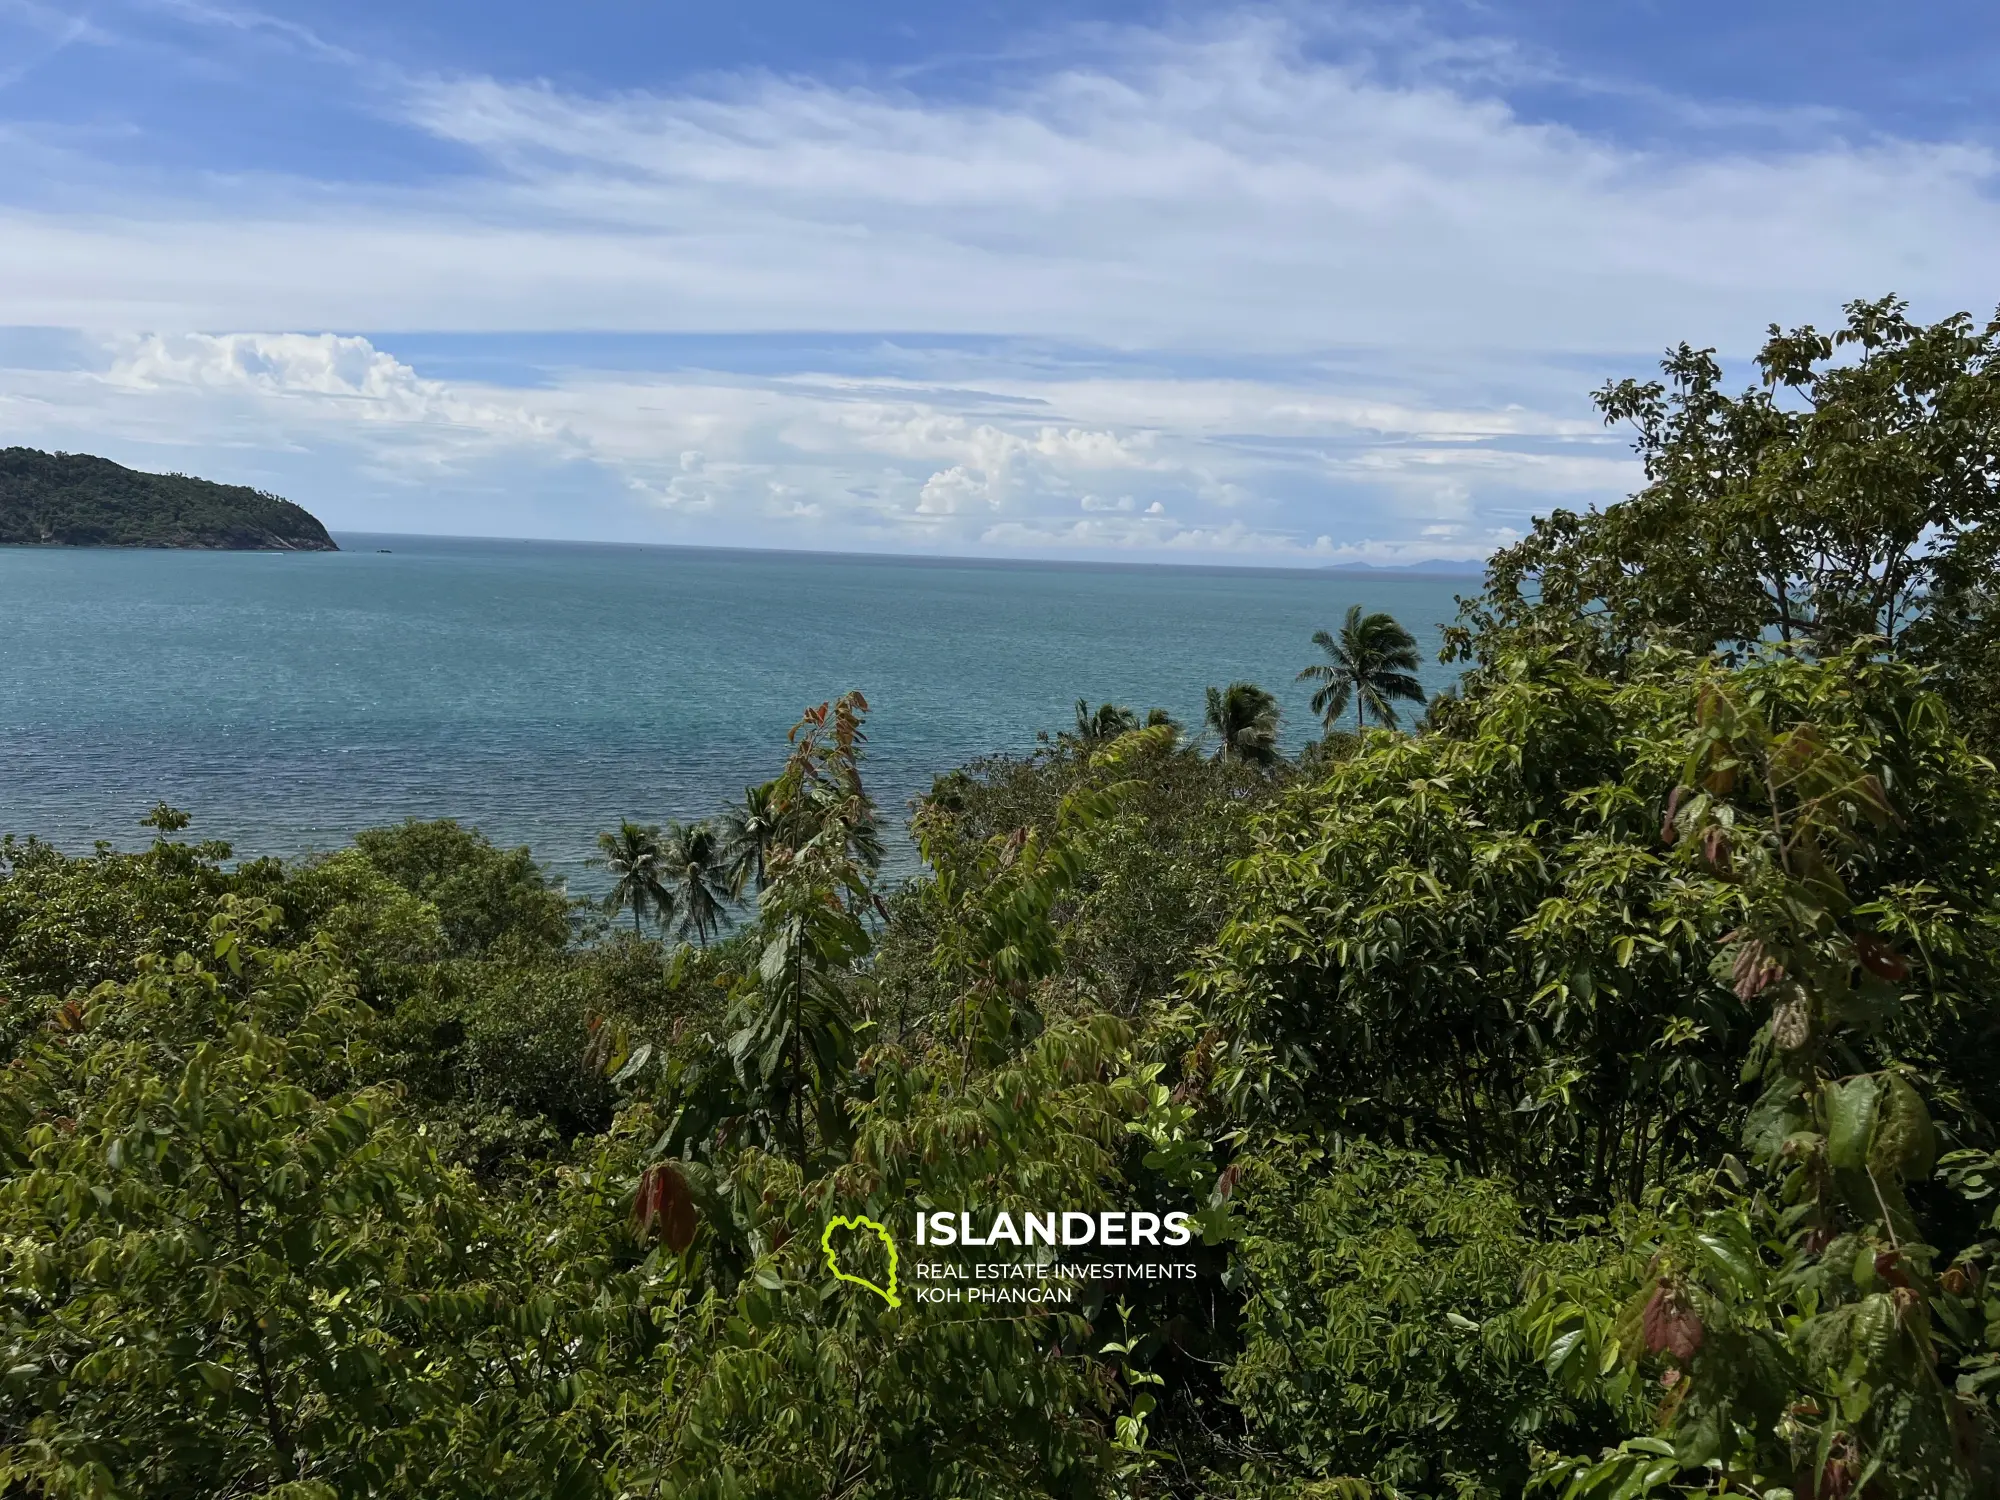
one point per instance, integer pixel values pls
(542, 691)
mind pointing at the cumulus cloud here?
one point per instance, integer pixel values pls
(325, 377)
(814, 460)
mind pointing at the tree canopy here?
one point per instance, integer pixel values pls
(1851, 492)
(75, 500)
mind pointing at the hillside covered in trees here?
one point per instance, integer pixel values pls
(1582, 1084)
(75, 500)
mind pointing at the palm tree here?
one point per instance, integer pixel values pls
(632, 854)
(1110, 721)
(692, 861)
(1371, 662)
(1245, 720)
(749, 832)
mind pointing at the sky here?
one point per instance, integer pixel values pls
(1290, 284)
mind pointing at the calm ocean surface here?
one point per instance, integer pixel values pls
(544, 690)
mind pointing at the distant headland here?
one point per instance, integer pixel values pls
(76, 500)
(1435, 567)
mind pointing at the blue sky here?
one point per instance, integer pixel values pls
(1294, 283)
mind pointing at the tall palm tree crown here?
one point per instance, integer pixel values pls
(749, 832)
(632, 855)
(1244, 719)
(1371, 663)
(693, 865)
(1110, 721)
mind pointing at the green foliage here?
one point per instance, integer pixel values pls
(1466, 944)
(486, 898)
(811, 1389)
(997, 934)
(1106, 722)
(780, 1058)
(1806, 1339)
(220, 1281)
(1479, 937)
(1819, 506)
(1109, 720)
(1379, 1341)
(74, 500)
(496, 1060)
(228, 1270)
(71, 923)
(1151, 888)
(386, 932)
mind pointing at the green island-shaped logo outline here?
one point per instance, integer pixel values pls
(861, 1221)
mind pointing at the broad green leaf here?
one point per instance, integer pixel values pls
(1904, 1141)
(1851, 1111)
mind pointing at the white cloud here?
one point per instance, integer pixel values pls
(809, 460)
(1222, 189)
(326, 377)
(953, 491)
(1279, 306)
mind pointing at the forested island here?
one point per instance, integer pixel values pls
(1582, 1084)
(75, 500)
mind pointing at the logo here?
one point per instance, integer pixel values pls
(888, 1295)
(1048, 1259)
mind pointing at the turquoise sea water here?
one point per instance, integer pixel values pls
(544, 690)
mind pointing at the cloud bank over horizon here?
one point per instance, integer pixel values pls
(1266, 288)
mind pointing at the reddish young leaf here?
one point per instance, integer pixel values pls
(664, 1204)
(1670, 1324)
(1879, 959)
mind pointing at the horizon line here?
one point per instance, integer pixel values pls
(1427, 568)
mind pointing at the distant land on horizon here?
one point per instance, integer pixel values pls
(77, 500)
(1432, 568)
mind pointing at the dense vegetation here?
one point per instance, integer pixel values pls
(75, 500)
(1587, 1091)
